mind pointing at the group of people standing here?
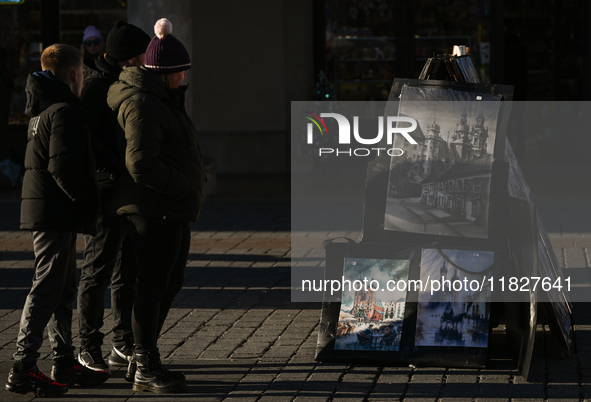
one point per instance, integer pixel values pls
(111, 154)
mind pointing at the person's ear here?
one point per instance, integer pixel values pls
(74, 76)
(133, 62)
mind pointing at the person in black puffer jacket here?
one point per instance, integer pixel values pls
(59, 191)
(160, 192)
(108, 257)
(59, 198)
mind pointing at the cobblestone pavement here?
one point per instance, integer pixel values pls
(237, 336)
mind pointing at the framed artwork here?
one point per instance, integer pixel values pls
(395, 322)
(448, 185)
(371, 319)
(554, 304)
(453, 316)
(441, 185)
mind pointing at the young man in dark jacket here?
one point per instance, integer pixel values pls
(59, 199)
(104, 258)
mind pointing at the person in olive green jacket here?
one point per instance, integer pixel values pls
(160, 192)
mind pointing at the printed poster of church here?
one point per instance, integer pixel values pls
(441, 185)
(371, 317)
(448, 317)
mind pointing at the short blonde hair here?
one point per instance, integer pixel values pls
(61, 59)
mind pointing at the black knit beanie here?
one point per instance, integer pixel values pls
(126, 41)
(165, 53)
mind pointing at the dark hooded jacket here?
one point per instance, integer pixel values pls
(101, 120)
(59, 189)
(164, 175)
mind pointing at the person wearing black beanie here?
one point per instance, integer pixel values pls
(106, 256)
(126, 41)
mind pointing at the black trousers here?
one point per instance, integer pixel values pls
(108, 257)
(161, 250)
(49, 303)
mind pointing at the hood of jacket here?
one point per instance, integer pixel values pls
(136, 80)
(106, 69)
(44, 90)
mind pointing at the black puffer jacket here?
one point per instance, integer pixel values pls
(101, 119)
(59, 189)
(164, 176)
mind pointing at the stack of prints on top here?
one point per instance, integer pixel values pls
(451, 68)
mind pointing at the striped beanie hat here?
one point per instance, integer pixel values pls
(165, 53)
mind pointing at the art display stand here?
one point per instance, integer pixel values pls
(455, 206)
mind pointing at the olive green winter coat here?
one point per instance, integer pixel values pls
(164, 176)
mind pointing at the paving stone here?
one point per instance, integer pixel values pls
(422, 390)
(321, 386)
(527, 390)
(420, 378)
(309, 398)
(495, 379)
(563, 391)
(392, 390)
(563, 377)
(492, 399)
(497, 390)
(459, 390)
(532, 399)
(271, 396)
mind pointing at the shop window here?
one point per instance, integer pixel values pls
(21, 45)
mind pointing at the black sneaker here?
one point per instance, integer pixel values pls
(121, 356)
(92, 358)
(33, 380)
(79, 375)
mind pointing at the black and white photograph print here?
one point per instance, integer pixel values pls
(441, 185)
(371, 316)
(448, 315)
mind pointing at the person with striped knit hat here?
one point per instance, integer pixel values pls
(159, 193)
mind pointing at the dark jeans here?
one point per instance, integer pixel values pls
(49, 303)
(161, 251)
(107, 258)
